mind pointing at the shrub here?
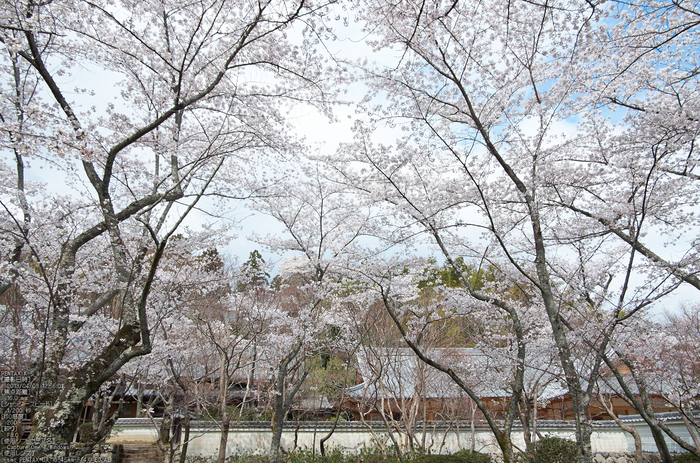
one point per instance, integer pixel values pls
(551, 450)
(686, 458)
(85, 432)
(473, 457)
(371, 455)
(244, 458)
(334, 455)
(374, 455)
(463, 456)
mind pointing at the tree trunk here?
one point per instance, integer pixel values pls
(543, 281)
(330, 433)
(389, 431)
(472, 430)
(689, 426)
(282, 402)
(637, 439)
(376, 439)
(223, 442)
(503, 436)
(249, 381)
(641, 404)
(57, 418)
(661, 446)
(139, 398)
(525, 419)
(165, 437)
(186, 439)
(278, 414)
(534, 411)
(225, 420)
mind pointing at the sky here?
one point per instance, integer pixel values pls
(321, 134)
(90, 88)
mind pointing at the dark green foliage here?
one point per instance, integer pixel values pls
(374, 455)
(474, 457)
(446, 275)
(333, 456)
(85, 432)
(551, 450)
(248, 459)
(686, 458)
(463, 456)
(253, 269)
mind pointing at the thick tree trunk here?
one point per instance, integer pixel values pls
(223, 442)
(57, 418)
(661, 446)
(165, 437)
(573, 380)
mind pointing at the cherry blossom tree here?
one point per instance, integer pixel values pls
(638, 111)
(287, 345)
(682, 357)
(197, 91)
(635, 165)
(507, 133)
(234, 325)
(187, 294)
(395, 286)
(647, 377)
(324, 229)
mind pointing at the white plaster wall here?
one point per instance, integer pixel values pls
(248, 439)
(648, 443)
(206, 442)
(142, 434)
